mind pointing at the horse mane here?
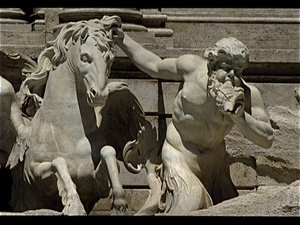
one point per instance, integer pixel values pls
(55, 52)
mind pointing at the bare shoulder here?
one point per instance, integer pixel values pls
(6, 88)
(257, 103)
(255, 95)
(188, 63)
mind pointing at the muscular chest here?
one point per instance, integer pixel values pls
(191, 100)
(193, 93)
(201, 111)
(197, 117)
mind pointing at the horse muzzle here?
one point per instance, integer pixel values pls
(96, 97)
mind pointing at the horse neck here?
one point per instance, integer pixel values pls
(60, 88)
(65, 98)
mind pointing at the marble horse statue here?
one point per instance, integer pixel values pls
(66, 158)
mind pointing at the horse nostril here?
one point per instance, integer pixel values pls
(93, 92)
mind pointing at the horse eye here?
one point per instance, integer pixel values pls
(85, 58)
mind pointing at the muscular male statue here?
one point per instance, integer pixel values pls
(11, 120)
(11, 125)
(214, 97)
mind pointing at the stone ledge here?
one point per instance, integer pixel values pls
(75, 14)
(201, 19)
(232, 12)
(266, 201)
(38, 212)
(15, 13)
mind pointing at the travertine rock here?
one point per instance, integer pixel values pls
(266, 201)
(280, 163)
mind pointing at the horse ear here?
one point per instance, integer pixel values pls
(83, 35)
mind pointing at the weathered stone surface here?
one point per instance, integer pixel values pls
(75, 14)
(277, 167)
(38, 212)
(135, 199)
(15, 26)
(243, 175)
(22, 38)
(51, 20)
(15, 67)
(130, 179)
(279, 164)
(31, 51)
(266, 201)
(232, 12)
(265, 40)
(145, 91)
(263, 30)
(213, 19)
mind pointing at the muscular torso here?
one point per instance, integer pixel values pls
(197, 129)
(7, 133)
(5, 105)
(200, 122)
(196, 116)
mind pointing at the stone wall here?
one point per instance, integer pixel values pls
(272, 35)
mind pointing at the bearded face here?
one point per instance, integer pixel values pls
(226, 61)
(226, 88)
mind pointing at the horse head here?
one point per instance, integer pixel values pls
(91, 57)
(88, 49)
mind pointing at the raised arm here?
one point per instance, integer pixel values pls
(255, 127)
(147, 61)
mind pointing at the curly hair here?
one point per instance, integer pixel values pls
(232, 48)
(55, 52)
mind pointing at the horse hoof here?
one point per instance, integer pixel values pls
(120, 206)
(74, 208)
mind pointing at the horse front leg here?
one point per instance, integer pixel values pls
(66, 187)
(109, 160)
